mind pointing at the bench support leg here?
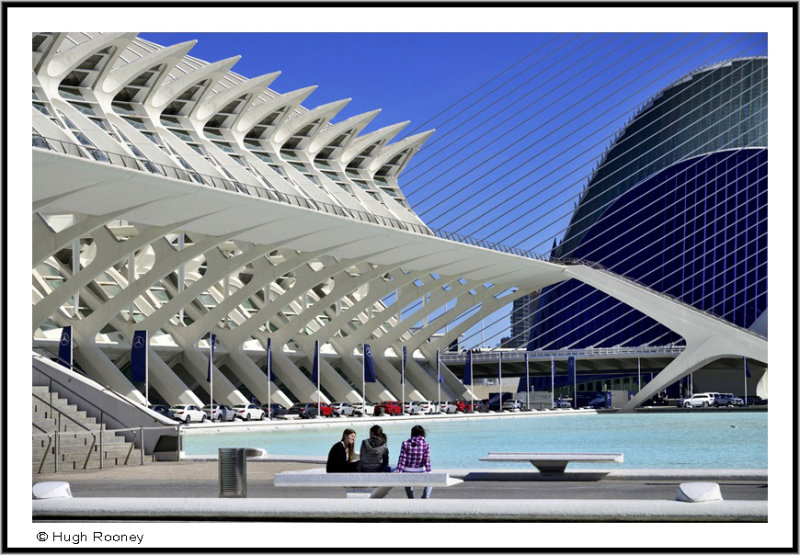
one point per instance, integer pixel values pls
(359, 493)
(380, 493)
(550, 467)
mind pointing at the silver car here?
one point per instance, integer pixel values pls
(412, 407)
(699, 400)
(343, 409)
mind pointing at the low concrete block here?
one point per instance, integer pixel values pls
(699, 492)
(51, 490)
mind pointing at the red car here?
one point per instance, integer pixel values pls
(462, 405)
(388, 407)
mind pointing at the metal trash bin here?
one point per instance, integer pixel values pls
(232, 472)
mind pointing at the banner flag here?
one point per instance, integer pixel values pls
(211, 356)
(468, 370)
(553, 369)
(65, 347)
(438, 367)
(270, 375)
(746, 368)
(571, 369)
(403, 366)
(315, 367)
(369, 365)
(524, 384)
(139, 356)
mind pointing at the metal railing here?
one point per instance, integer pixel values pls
(54, 445)
(563, 354)
(130, 162)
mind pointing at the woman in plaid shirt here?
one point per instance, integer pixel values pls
(415, 456)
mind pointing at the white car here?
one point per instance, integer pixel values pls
(448, 407)
(361, 409)
(699, 400)
(429, 407)
(512, 405)
(412, 407)
(219, 413)
(187, 413)
(248, 411)
(343, 409)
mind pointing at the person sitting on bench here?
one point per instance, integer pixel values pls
(341, 455)
(415, 456)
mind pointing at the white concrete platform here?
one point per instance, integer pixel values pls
(451, 510)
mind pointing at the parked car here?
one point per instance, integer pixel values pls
(412, 407)
(248, 411)
(727, 400)
(597, 402)
(273, 410)
(755, 400)
(699, 400)
(388, 407)
(448, 407)
(361, 409)
(187, 413)
(562, 403)
(310, 410)
(221, 413)
(343, 409)
(513, 405)
(429, 407)
(463, 405)
(163, 410)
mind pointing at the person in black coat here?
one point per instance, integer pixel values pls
(341, 455)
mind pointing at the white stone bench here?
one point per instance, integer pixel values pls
(363, 484)
(553, 463)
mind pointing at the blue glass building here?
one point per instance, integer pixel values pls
(678, 203)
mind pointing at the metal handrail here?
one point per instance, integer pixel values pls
(56, 435)
(192, 176)
(106, 389)
(60, 414)
(559, 354)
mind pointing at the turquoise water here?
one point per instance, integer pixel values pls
(661, 440)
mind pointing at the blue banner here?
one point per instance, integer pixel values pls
(403, 366)
(270, 375)
(369, 365)
(315, 366)
(746, 368)
(211, 356)
(571, 369)
(65, 347)
(438, 367)
(468, 370)
(139, 356)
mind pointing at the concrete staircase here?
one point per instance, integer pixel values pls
(67, 436)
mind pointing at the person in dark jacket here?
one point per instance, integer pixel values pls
(374, 454)
(341, 455)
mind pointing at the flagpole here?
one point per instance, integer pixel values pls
(438, 378)
(500, 378)
(269, 377)
(574, 384)
(319, 371)
(744, 359)
(403, 376)
(639, 366)
(211, 372)
(363, 374)
(147, 373)
(527, 382)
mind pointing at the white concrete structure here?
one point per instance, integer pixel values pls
(173, 195)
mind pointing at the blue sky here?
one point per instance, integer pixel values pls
(521, 119)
